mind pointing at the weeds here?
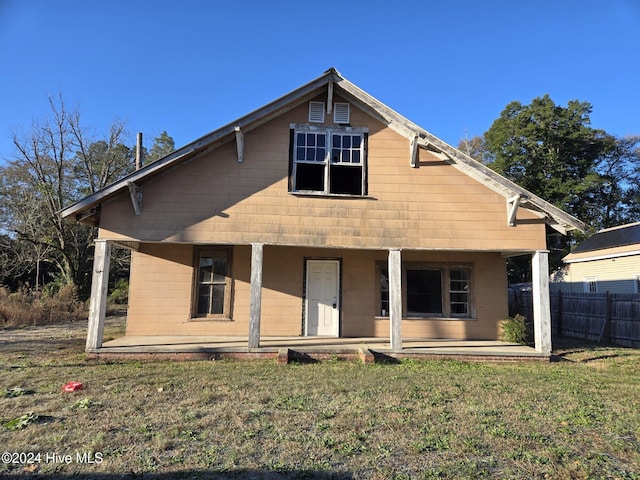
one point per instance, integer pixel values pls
(21, 422)
(27, 307)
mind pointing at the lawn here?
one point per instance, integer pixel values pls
(577, 418)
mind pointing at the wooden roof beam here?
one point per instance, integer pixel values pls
(413, 148)
(239, 144)
(135, 192)
(512, 209)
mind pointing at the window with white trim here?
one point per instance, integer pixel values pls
(328, 160)
(429, 290)
(591, 285)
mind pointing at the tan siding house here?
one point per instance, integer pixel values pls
(322, 213)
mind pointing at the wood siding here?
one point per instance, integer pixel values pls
(615, 275)
(215, 199)
(162, 279)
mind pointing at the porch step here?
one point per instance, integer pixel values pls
(287, 355)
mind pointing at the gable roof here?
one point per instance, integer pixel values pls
(623, 240)
(87, 209)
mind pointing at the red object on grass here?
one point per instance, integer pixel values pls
(72, 386)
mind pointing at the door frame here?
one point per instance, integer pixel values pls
(305, 304)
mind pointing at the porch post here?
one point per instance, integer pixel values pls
(255, 306)
(395, 299)
(99, 285)
(541, 303)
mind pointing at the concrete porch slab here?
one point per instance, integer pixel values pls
(367, 349)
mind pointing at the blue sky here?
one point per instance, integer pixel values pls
(191, 66)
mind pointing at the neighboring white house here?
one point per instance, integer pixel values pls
(609, 261)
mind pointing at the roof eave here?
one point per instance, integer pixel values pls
(205, 143)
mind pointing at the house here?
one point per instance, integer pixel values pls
(609, 261)
(322, 213)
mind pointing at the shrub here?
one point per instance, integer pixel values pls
(514, 330)
(120, 293)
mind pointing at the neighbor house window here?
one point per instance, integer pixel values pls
(591, 285)
(328, 160)
(429, 290)
(213, 283)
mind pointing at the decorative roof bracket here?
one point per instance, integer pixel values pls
(240, 144)
(512, 209)
(413, 147)
(135, 192)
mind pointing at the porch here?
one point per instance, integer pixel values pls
(391, 332)
(285, 349)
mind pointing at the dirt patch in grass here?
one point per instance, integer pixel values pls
(576, 418)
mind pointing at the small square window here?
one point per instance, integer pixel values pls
(591, 285)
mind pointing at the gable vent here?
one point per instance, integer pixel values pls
(316, 112)
(341, 113)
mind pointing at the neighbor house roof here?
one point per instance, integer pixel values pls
(332, 82)
(620, 241)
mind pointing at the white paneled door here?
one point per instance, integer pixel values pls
(322, 297)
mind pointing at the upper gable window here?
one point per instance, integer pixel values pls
(328, 160)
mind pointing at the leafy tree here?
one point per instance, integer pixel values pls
(553, 151)
(474, 147)
(163, 145)
(56, 164)
(617, 199)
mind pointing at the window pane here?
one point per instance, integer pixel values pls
(220, 267)
(335, 155)
(355, 156)
(424, 291)
(356, 141)
(460, 308)
(346, 180)
(321, 140)
(336, 141)
(311, 140)
(300, 139)
(346, 141)
(204, 299)
(311, 154)
(384, 292)
(310, 177)
(346, 158)
(320, 153)
(217, 306)
(300, 153)
(206, 269)
(459, 280)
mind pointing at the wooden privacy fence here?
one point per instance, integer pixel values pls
(605, 317)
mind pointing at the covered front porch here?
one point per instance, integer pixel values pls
(388, 341)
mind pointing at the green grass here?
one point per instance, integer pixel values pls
(575, 419)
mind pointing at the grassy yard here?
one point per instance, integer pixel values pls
(577, 418)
